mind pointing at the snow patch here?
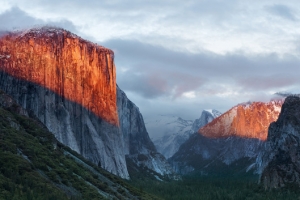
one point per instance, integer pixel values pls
(158, 178)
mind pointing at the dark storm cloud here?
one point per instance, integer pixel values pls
(15, 18)
(154, 71)
(282, 11)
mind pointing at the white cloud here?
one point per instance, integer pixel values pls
(189, 95)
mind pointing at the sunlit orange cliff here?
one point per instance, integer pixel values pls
(77, 70)
(250, 120)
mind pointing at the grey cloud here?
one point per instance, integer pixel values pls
(282, 11)
(269, 82)
(152, 83)
(15, 18)
(137, 12)
(147, 85)
(179, 72)
(68, 25)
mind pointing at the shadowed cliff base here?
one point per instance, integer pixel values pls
(71, 123)
(279, 161)
(70, 85)
(34, 165)
(213, 156)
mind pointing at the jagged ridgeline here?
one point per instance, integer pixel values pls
(69, 84)
(230, 143)
(279, 161)
(34, 165)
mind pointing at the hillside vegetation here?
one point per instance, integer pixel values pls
(34, 165)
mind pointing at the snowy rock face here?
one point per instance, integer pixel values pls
(279, 162)
(250, 120)
(175, 130)
(69, 85)
(206, 117)
(235, 135)
(137, 144)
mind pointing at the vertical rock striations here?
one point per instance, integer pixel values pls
(138, 147)
(279, 162)
(250, 120)
(236, 137)
(69, 84)
(71, 67)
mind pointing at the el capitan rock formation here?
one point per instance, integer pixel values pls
(69, 84)
(73, 68)
(279, 162)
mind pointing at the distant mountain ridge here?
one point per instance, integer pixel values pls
(250, 120)
(237, 134)
(175, 130)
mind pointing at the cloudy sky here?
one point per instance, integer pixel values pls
(180, 57)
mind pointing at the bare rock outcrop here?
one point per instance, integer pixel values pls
(69, 84)
(249, 120)
(279, 162)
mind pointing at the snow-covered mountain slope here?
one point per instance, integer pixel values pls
(234, 137)
(250, 120)
(175, 131)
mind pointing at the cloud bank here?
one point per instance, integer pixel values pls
(180, 58)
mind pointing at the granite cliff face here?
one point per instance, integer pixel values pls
(279, 162)
(8, 103)
(69, 85)
(236, 135)
(138, 147)
(64, 63)
(249, 120)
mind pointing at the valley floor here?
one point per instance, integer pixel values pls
(215, 188)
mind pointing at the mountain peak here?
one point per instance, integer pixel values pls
(175, 131)
(250, 120)
(213, 112)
